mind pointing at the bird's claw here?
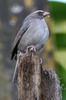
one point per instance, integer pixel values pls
(31, 48)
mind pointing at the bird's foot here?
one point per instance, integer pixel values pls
(41, 62)
(31, 48)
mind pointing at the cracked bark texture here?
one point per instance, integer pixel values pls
(34, 82)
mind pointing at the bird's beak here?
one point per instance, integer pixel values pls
(46, 14)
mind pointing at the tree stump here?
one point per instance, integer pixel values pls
(34, 82)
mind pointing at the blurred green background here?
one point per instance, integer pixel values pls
(59, 18)
(12, 14)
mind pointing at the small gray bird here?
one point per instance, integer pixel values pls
(34, 31)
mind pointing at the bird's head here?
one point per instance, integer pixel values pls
(40, 14)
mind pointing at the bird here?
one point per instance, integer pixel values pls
(33, 32)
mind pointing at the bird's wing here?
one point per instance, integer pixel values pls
(23, 29)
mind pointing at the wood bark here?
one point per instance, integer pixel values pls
(34, 82)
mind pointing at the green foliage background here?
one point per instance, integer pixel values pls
(59, 16)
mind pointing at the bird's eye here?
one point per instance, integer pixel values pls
(40, 13)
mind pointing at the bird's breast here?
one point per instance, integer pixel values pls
(36, 33)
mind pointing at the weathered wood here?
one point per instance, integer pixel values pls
(34, 83)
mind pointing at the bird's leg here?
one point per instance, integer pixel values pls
(31, 48)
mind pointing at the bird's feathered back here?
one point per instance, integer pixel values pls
(23, 29)
(18, 37)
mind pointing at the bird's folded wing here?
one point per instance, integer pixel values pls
(22, 31)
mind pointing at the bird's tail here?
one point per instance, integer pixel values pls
(15, 76)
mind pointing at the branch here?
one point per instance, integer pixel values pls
(34, 82)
